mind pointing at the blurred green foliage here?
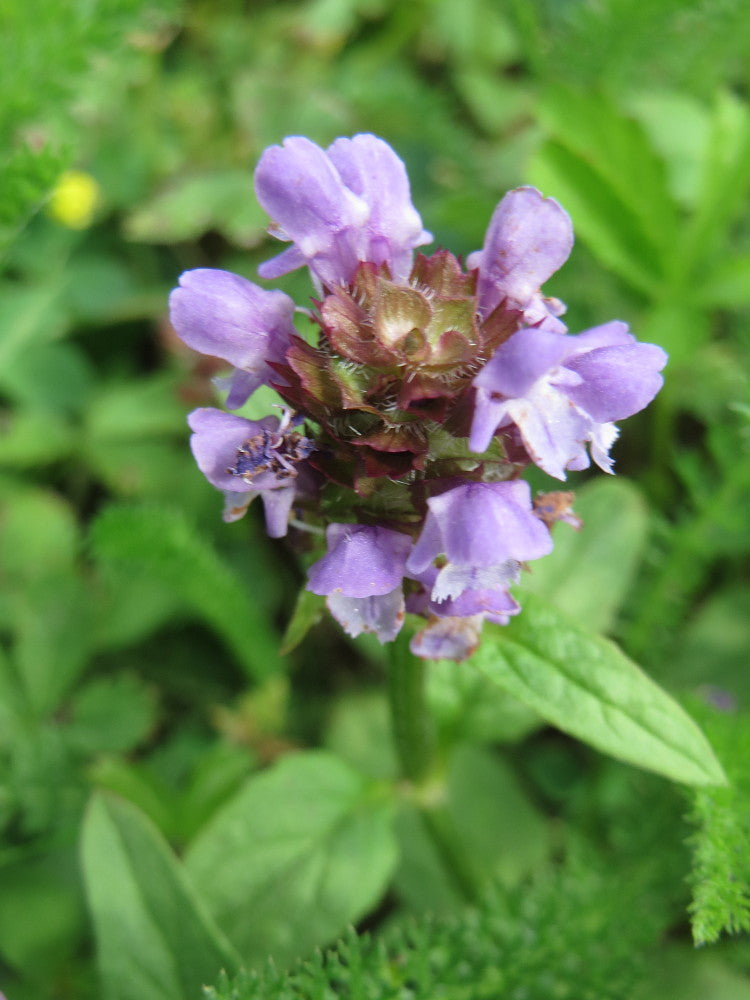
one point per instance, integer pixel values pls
(140, 646)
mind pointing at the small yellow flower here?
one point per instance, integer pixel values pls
(75, 199)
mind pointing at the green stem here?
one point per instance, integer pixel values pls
(413, 730)
(414, 736)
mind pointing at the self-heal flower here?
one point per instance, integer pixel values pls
(564, 392)
(249, 458)
(529, 238)
(228, 317)
(339, 207)
(423, 391)
(361, 576)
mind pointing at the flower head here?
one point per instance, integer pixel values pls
(421, 396)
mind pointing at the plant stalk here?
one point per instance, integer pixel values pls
(414, 738)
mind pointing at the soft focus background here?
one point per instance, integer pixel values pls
(141, 635)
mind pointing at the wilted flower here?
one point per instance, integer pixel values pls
(427, 392)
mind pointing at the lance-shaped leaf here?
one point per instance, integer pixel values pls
(155, 940)
(586, 686)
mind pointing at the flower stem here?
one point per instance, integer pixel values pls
(414, 736)
(413, 731)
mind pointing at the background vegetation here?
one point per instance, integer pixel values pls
(148, 707)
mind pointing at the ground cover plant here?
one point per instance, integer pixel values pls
(223, 772)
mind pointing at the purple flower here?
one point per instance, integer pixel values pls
(361, 575)
(227, 316)
(338, 207)
(247, 458)
(448, 638)
(484, 530)
(563, 392)
(529, 237)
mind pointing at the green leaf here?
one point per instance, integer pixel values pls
(468, 707)
(590, 571)
(154, 939)
(111, 714)
(620, 153)
(721, 846)
(161, 545)
(301, 851)
(604, 170)
(586, 686)
(309, 608)
(500, 835)
(678, 126)
(221, 200)
(26, 178)
(610, 227)
(724, 181)
(727, 284)
(359, 732)
(43, 912)
(54, 629)
(55, 378)
(30, 439)
(38, 532)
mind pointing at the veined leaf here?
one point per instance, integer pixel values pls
(155, 940)
(586, 686)
(302, 850)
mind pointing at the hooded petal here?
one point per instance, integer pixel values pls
(521, 360)
(348, 204)
(480, 525)
(361, 561)
(618, 381)
(529, 237)
(369, 167)
(301, 190)
(224, 315)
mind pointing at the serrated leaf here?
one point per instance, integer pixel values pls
(160, 544)
(155, 940)
(301, 851)
(586, 686)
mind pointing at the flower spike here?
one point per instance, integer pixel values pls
(422, 393)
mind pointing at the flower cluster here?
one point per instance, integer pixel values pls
(425, 392)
